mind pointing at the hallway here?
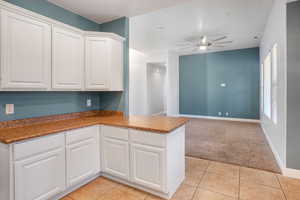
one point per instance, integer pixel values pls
(230, 142)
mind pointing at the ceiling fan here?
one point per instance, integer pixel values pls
(202, 43)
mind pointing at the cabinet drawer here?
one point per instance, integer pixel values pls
(38, 146)
(81, 134)
(148, 138)
(115, 132)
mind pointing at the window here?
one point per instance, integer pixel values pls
(270, 84)
(274, 83)
(267, 85)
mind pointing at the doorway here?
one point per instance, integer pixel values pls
(156, 90)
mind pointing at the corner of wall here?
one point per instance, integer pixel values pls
(118, 100)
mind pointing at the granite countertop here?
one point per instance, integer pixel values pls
(157, 124)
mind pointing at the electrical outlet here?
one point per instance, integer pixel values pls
(9, 109)
(88, 103)
(220, 113)
(223, 85)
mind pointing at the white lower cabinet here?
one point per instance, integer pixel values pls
(116, 157)
(46, 168)
(83, 154)
(41, 175)
(148, 166)
(153, 162)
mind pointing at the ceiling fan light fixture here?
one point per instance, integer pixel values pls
(203, 48)
(204, 40)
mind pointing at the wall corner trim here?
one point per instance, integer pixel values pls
(220, 118)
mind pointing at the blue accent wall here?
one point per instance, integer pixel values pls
(34, 104)
(50, 10)
(200, 77)
(118, 100)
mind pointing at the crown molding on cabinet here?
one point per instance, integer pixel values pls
(36, 16)
(105, 34)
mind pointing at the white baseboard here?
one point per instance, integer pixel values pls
(293, 173)
(274, 151)
(221, 118)
(160, 113)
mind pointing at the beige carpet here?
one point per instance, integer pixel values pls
(230, 142)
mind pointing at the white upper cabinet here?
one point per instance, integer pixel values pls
(25, 52)
(67, 59)
(103, 62)
(97, 63)
(38, 53)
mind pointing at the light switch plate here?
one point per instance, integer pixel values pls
(9, 109)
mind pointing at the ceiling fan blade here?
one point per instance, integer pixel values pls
(186, 48)
(220, 46)
(225, 42)
(184, 43)
(221, 38)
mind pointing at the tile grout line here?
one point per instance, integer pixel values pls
(207, 189)
(239, 187)
(206, 171)
(197, 185)
(202, 177)
(285, 196)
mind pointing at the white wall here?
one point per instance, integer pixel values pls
(137, 83)
(172, 78)
(157, 57)
(275, 32)
(138, 103)
(172, 90)
(156, 76)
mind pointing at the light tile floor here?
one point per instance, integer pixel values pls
(205, 180)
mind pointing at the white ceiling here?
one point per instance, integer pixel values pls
(106, 10)
(240, 20)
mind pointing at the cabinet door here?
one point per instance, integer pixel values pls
(97, 63)
(116, 158)
(25, 52)
(40, 177)
(117, 63)
(148, 166)
(67, 59)
(83, 155)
